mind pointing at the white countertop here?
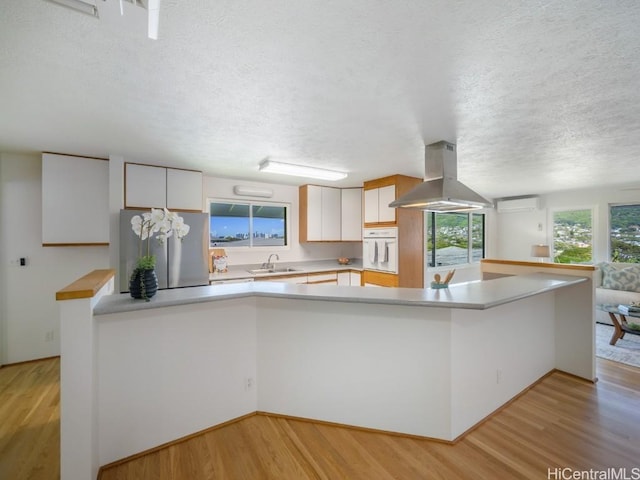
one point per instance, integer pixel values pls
(241, 272)
(477, 295)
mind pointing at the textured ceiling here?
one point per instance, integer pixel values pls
(539, 96)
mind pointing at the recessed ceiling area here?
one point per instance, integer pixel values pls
(538, 96)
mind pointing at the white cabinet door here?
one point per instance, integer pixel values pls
(344, 278)
(376, 204)
(331, 278)
(321, 213)
(351, 222)
(371, 205)
(355, 278)
(75, 200)
(386, 195)
(314, 213)
(184, 190)
(331, 213)
(145, 186)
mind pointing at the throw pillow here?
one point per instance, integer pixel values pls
(627, 279)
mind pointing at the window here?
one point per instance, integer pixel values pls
(247, 224)
(454, 238)
(572, 236)
(624, 233)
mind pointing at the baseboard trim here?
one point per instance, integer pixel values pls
(353, 427)
(505, 405)
(29, 361)
(135, 456)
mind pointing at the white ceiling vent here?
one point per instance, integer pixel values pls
(511, 205)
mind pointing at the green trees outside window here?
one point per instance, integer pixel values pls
(573, 236)
(454, 238)
(624, 233)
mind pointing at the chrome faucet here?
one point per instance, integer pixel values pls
(268, 264)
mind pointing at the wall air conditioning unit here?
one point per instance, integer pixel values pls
(511, 205)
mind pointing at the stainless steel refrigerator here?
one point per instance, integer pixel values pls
(179, 262)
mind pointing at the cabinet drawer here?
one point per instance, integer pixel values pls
(323, 277)
(285, 278)
(380, 278)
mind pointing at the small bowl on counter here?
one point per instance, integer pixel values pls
(344, 261)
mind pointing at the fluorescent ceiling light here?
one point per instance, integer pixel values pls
(300, 170)
(78, 6)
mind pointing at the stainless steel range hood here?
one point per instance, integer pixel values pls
(441, 191)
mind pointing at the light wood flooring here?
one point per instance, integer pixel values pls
(561, 422)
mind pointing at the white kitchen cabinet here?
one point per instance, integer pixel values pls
(295, 279)
(351, 214)
(386, 195)
(150, 186)
(184, 189)
(376, 204)
(371, 205)
(320, 213)
(331, 213)
(329, 278)
(75, 200)
(145, 186)
(349, 278)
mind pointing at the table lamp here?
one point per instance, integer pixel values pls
(540, 251)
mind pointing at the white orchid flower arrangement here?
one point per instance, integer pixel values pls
(159, 222)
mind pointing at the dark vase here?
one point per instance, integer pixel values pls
(143, 283)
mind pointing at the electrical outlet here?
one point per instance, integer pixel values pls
(48, 336)
(498, 376)
(248, 383)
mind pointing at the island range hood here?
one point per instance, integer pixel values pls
(441, 191)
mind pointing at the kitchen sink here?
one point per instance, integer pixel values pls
(257, 271)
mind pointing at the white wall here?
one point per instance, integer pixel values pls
(517, 232)
(28, 311)
(222, 188)
(3, 323)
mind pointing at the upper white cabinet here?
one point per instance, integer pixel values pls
(331, 213)
(75, 200)
(376, 204)
(320, 213)
(145, 186)
(351, 214)
(149, 186)
(184, 189)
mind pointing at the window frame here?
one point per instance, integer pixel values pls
(430, 256)
(251, 204)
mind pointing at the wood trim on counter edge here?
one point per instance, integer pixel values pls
(87, 286)
(568, 266)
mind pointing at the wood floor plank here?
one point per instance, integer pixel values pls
(561, 422)
(30, 421)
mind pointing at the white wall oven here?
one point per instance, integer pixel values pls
(380, 249)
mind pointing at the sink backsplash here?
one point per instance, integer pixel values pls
(303, 252)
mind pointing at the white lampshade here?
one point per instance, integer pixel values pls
(540, 251)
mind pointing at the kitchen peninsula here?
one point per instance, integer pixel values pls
(430, 363)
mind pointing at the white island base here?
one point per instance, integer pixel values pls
(408, 362)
